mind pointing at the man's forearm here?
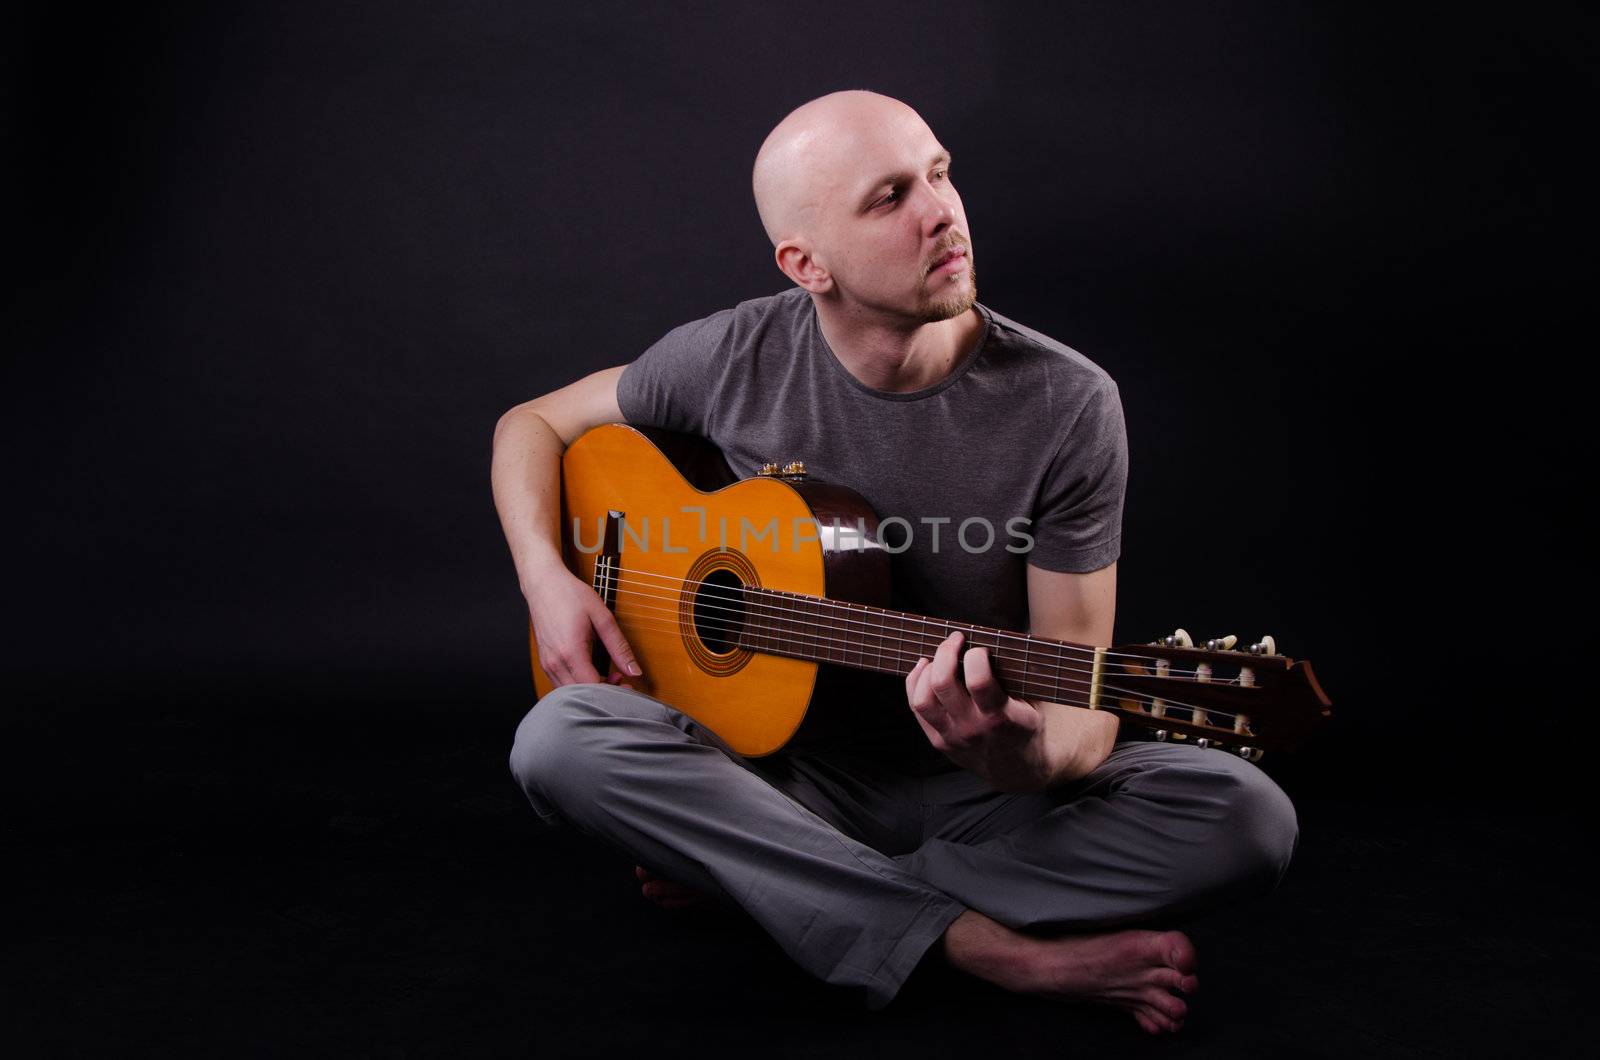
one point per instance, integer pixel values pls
(1069, 744)
(1074, 742)
(525, 475)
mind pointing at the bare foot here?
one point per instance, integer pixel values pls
(668, 894)
(1133, 970)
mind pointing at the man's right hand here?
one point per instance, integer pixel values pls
(567, 614)
(525, 471)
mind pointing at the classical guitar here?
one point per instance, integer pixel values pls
(745, 636)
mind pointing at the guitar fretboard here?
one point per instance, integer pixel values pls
(862, 637)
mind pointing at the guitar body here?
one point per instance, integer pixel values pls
(687, 524)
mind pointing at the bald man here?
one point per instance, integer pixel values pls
(1018, 840)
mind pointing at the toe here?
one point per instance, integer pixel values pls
(1172, 979)
(1179, 952)
(1169, 1005)
(1163, 1023)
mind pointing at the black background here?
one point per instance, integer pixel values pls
(275, 273)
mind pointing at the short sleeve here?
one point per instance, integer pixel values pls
(1077, 522)
(673, 383)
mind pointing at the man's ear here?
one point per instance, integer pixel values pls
(795, 260)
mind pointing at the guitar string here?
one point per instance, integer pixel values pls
(856, 610)
(1029, 658)
(792, 622)
(998, 653)
(902, 657)
(1142, 700)
(1034, 662)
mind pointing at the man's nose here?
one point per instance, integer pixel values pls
(938, 213)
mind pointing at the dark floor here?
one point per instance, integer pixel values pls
(216, 876)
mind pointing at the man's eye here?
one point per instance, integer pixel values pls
(893, 196)
(941, 173)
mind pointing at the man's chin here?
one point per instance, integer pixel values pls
(935, 310)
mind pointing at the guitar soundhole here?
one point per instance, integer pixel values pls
(719, 611)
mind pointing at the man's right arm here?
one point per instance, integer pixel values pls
(526, 477)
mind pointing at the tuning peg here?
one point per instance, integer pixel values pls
(1179, 639)
(1264, 646)
(1222, 643)
(769, 471)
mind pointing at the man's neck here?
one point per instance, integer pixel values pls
(898, 359)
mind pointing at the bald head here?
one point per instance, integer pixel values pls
(811, 156)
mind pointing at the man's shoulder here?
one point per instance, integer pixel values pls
(746, 323)
(1023, 344)
(789, 301)
(782, 313)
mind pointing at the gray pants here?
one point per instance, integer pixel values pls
(857, 872)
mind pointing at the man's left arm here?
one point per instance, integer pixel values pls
(1017, 744)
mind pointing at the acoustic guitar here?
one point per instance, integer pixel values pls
(747, 602)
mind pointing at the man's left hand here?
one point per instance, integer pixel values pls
(974, 722)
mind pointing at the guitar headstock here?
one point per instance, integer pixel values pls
(1244, 701)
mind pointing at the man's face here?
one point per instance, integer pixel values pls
(893, 232)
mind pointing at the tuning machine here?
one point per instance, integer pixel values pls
(1178, 639)
(1222, 643)
(793, 471)
(1265, 646)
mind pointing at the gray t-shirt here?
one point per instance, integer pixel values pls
(1018, 456)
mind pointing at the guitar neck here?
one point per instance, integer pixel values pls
(861, 637)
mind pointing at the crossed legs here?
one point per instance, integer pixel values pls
(859, 878)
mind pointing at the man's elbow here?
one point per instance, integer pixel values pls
(515, 420)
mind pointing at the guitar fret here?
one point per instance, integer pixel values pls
(769, 621)
(782, 628)
(975, 639)
(759, 627)
(779, 623)
(849, 636)
(844, 633)
(792, 624)
(889, 647)
(749, 637)
(1004, 666)
(1027, 663)
(871, 638)
(828, 628)
(806, 632)
(817, 621)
